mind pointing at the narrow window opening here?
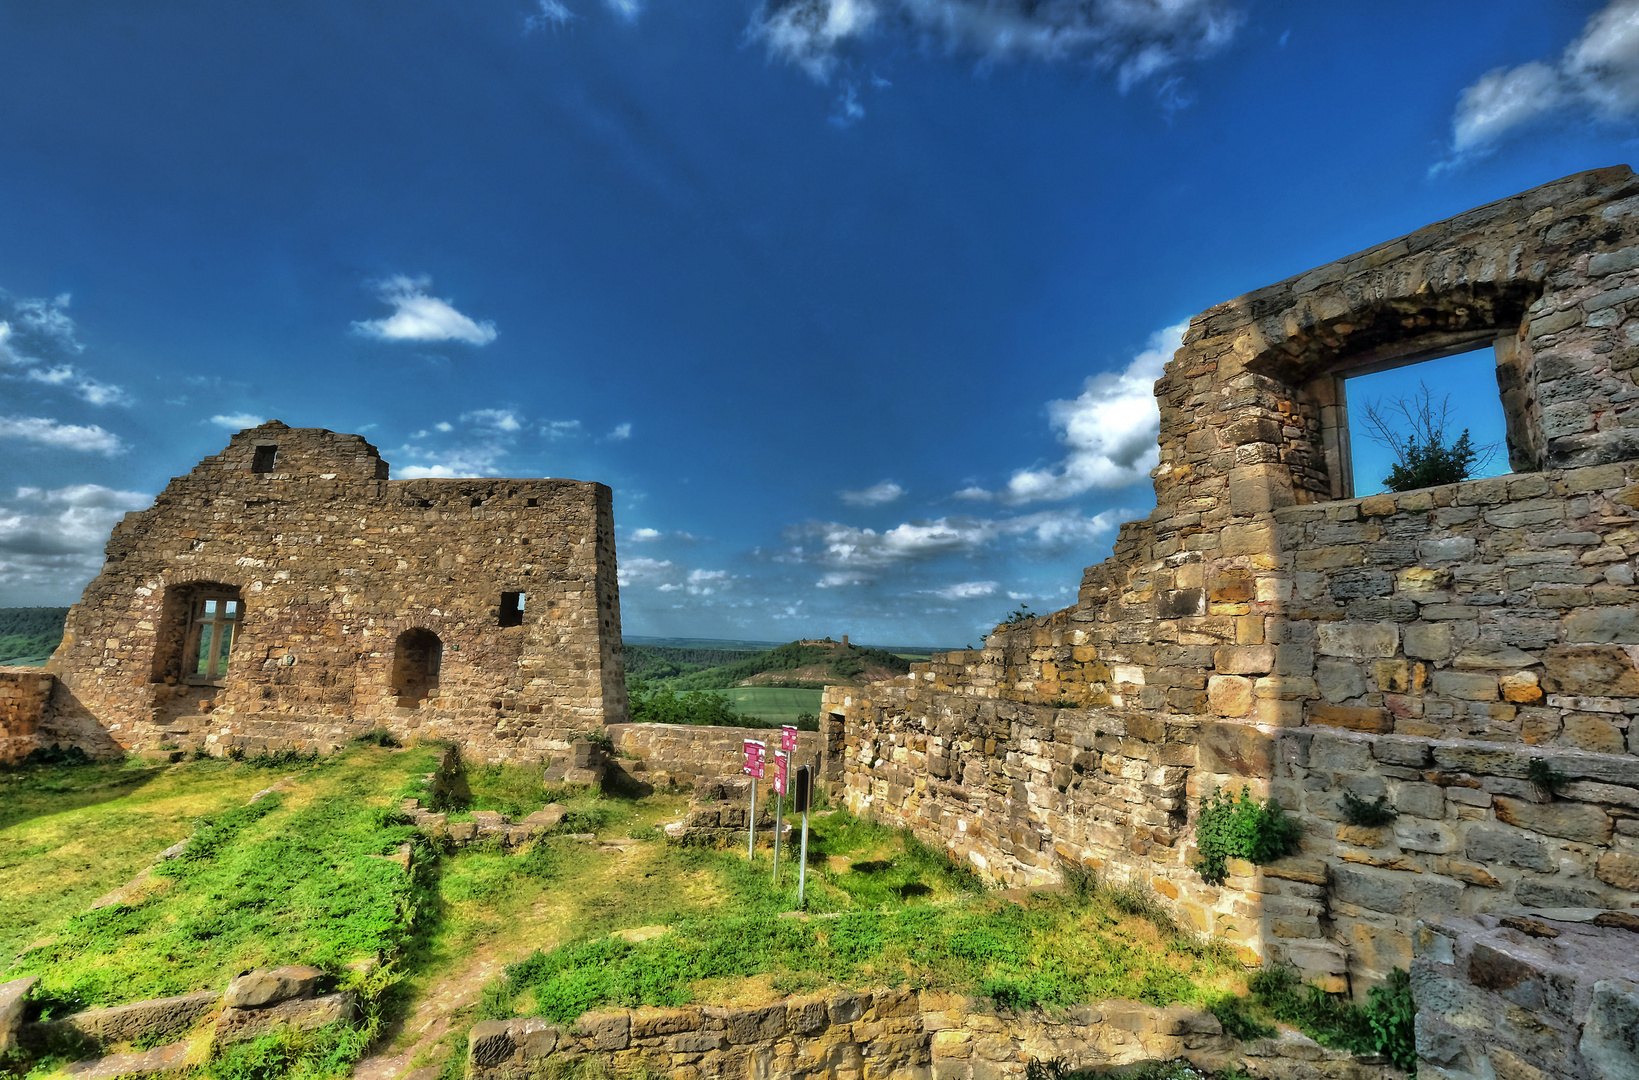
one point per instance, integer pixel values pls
(264, 459)
(418, 656)
(532, 502)
(512, 608)
(1445, 397)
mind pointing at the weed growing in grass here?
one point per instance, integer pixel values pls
(287, 758)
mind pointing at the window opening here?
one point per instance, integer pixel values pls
(512, 608)
(532, 502)
(1461, 394)
(418, 657)
(214, 625)
(264, 459)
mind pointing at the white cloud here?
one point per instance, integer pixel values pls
(418, 316)
(550, 15)
(706, 582)
(625, 10)
(967, 590)
(1110, 431)
(37, 429)
(51, 542)
(561, 429)
(1135, 39)
(645, 535)
(848, 547)
(97, 393)
(885, 491)
(641, 571)
(1599, 71)
(838, 579)
(494, 419)
(238, 421)
(444, 426)
(620, 433)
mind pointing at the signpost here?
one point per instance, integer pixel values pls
(754, 768)
(801, 795)
(782, 761)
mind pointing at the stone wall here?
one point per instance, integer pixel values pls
(1261, 628)
(332, 562)
(1533, 997)
(687, 753)
(24, 693)
(893, 1035)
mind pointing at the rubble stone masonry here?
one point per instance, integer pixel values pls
(481, 611)
(1264, 627)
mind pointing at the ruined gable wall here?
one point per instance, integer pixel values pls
(1425, 646)
(333, 561)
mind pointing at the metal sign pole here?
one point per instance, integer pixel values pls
(777, 802)
(802, 863)
(751, 844)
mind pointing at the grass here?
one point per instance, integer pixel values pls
(774, 704)
(896, 912)
(70, 834)
(291, 878)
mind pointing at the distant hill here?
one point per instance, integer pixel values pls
(796, 663)
(28, 635)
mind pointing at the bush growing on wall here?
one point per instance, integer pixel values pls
(1241, 827)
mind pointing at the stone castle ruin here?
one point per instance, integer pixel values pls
(286, 593)
(1264, 627)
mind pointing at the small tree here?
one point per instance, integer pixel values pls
(1415, 431)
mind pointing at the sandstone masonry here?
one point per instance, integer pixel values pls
(287, 593)
(1264, 627)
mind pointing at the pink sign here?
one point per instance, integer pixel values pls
(754, 759)
(780, 763)
(788, 738)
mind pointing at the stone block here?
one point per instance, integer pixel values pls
(1352, 717)
(1235, 749)
(1610, 1035)
(302, 1014)
(1597, 670)
(1359, 640)
(1603, 625)
(1573, 821)
(1593, 733)
(13, 996)
(1421, 800)
(1618, 869)
(489, 1043)
(606, 1030)
(266, 986)
(1245, 659)
(1229, 695)
(1339, 680)
(1465, 686)
(1375, 890)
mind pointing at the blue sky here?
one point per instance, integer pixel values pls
(855, 304)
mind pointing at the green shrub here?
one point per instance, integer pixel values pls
(378, 737)
(56, 755)
(1241, 827)
(1357, 811)
(1393, 1016)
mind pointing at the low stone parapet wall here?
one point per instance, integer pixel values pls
(24, 695)
(1553, 994)
(687, 753)
(894, 1033)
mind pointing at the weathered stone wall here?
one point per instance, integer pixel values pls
(24, 693)
(687, 753)
(893, 1035)
(1260, 628)
(1527, 996)
(332, 562)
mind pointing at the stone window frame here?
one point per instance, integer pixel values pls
(264, 458)
(219, 622)
(1327, 393)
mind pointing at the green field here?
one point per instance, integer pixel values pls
(772, 703)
